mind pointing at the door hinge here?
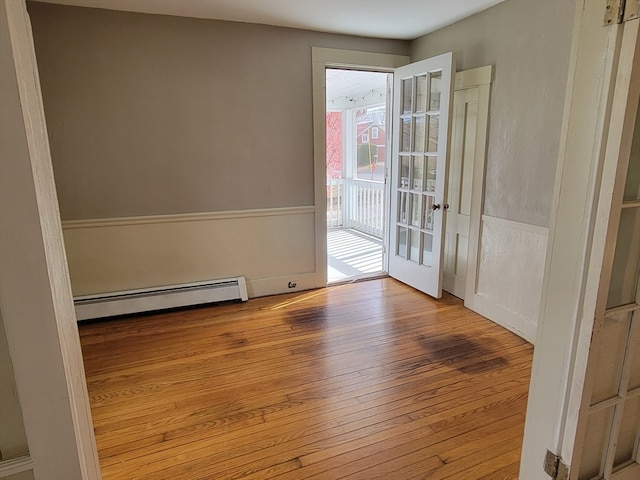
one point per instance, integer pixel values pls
(619, 11)
(555, 467)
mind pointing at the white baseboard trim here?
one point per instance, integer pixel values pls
(15, 466)
(504, 317)
(263, 287)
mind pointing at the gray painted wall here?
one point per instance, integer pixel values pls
(151, 114)
(528, 42)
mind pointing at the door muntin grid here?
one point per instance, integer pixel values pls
(418, 145)
(612, 436)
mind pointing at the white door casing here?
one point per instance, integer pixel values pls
(35, 292)
(323, 58)
(420, 145)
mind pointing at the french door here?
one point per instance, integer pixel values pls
(605, 432)
(421, 123)
(583, 414)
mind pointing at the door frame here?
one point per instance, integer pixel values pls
(323, 58)
(481, 77)
(37, 304)
(579, 254)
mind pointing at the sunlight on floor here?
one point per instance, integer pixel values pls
(352, 254)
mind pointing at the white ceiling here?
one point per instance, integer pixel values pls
(351, 89)
(400, 19)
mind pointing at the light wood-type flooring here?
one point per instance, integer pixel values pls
(369, 380)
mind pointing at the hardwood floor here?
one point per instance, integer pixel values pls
(364, 381)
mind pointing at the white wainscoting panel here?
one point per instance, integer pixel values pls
(508, 282)
(270, 247)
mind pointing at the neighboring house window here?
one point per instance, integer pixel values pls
(374, 132)
(365, 138)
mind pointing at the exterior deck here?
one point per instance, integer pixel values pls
(355, 222)
(352, 255)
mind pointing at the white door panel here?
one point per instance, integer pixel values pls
(421, 123)
(461, 167)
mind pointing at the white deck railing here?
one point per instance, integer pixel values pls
(356, 204)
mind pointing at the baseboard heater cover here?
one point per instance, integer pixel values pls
(160, 298)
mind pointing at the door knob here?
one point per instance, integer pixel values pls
(435, 206)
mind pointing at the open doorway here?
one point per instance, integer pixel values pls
(357, 149)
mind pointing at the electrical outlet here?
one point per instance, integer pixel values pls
(292, 285)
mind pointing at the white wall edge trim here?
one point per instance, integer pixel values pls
(51, 384)
(15, 466)
(544, 231)
(186, 217)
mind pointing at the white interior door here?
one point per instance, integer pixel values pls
(463, 143)
(466, 181)
(421, 121)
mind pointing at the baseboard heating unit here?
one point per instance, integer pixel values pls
(160, 298)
